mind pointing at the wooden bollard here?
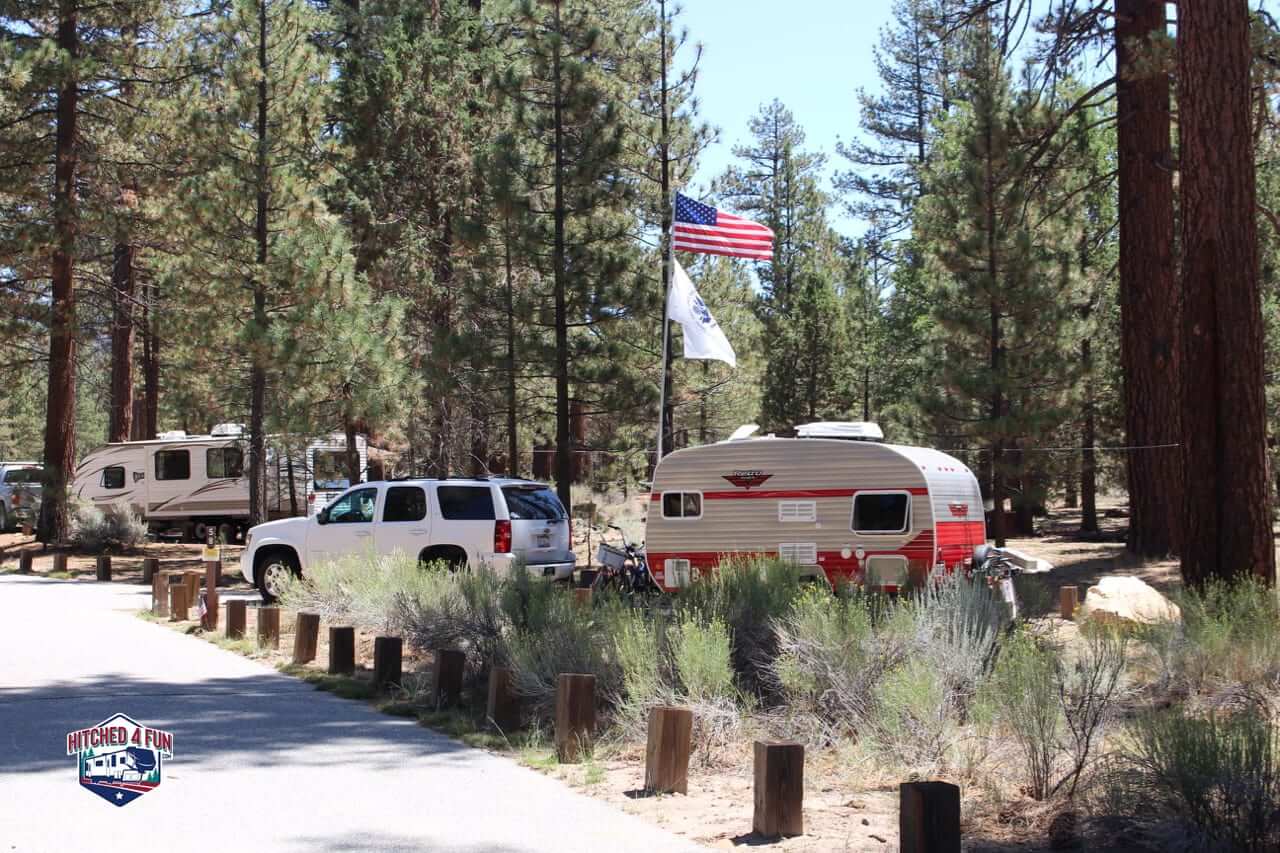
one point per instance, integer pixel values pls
(269, 627)
(150, 566)
(236, 619)
(192, 578)
(342, 650)
(666, 760)
(504, 704)
(160, 594)
(779, 800)
(26, 528)
(306, 637)
(929, 817)
(386, 662)
(575, 715)
(210, 619)
(60, 563)
(104, 567)
(213, 572)
(1068, 598)
(582, 596)
(24, 562)
(178, 603)
(447, 676)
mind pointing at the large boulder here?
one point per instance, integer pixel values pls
(1127, 600)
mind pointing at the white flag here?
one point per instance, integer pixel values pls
(703, 337)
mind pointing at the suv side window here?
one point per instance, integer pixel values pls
(353, 507)
(466, 503)
(405, 503)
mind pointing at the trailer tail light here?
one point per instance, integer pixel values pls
(501, 537)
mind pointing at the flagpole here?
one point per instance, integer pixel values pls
(668, 260)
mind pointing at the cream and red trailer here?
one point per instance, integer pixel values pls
(856, 511)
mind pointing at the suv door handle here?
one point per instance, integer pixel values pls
(363, 533)
(419, 531)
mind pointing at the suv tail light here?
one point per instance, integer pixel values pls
(501, 537)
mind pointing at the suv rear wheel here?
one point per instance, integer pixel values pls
(273, 567)
(451, 555)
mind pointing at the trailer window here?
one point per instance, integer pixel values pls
(173, 465)
(881, 512)
(405, 503)
(682, 505)
(113, 477)
(224, 462)
(466, 503)
(329, 468)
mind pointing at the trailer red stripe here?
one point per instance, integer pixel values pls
(774, 494)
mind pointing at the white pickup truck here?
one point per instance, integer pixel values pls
(464, 522)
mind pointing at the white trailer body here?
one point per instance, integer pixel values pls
(187, 483)
(848, 510)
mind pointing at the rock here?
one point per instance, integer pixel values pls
(1127, 601)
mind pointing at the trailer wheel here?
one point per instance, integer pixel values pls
(271, 569)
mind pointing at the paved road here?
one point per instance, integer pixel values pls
(261, 762)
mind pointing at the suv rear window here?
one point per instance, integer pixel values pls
(22, 475)
(532, 504)
(466, 503)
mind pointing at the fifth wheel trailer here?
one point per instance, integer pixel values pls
(833, 499)
(182, 485)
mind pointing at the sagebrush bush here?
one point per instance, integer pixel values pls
(747, 595)
(1023, 691)
(702, 655)
(1219, 774)
(114, 528)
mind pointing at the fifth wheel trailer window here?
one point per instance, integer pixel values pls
(113, 477)
(881, 512)
(329, 469)
(223, 462)
(173, 465)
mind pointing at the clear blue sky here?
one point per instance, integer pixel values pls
(813, 55)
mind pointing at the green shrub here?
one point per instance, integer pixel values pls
(746, 595)
(113, 528)
(435, 608)
(1219, 774)
(1230, 637)
(1023, 691)
(702, 653)
(913, 718)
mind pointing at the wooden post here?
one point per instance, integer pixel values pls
(150, 566)
(160, 594)
(210, 619)
(504, 704)
(178, 602)
(26, 528)
(236, 619)
(929, 817)
(666, 760)
(306, 636)
(60, 563)
(342, 650)
(575, 715)
(779, 806)
(192, 578)
(269, 627)
(104, 567)
(212, 572)
(582, 596)
(1068, 598)
(24, 562)
(447, 678)
(386, 661)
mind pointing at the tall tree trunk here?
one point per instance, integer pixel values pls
(667, 416)
(151, 366)
(513, 423)
(120, 424)
(1149, 302)
(352, 452)
(1088, 461)
(292, 480)
(60, 412)
(564, 460)
(1228, 513)
(258, 369)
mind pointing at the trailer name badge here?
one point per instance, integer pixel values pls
(120, 759)
(747, 479)
(959, 510)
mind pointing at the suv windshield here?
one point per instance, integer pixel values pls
(532, 503)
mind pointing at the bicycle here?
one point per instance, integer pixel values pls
(998, 570)
(624, 571)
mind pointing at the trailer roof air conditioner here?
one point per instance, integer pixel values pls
(851, 430)
(172, 435)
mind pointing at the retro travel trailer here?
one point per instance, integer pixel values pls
(183, 484)
(833, 499)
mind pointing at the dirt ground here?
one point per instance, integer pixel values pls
(847, 806)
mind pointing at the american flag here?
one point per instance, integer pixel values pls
(703, 229)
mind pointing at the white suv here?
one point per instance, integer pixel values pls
(464, 522)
